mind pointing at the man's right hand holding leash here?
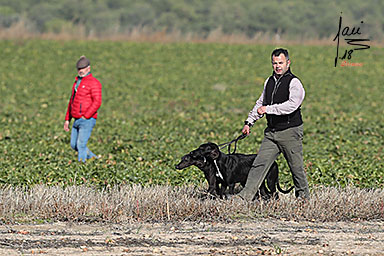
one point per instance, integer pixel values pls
(246, 129)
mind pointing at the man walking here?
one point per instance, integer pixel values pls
(83, 105)
(280, 101)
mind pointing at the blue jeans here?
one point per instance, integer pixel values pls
(81, 131)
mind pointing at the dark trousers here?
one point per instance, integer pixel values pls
(288, 142)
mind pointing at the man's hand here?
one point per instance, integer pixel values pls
(246, 130)
(262, 110)
(66, 126)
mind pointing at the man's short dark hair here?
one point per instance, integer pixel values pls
(279, 51)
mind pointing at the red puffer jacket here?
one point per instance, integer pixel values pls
(87, 99)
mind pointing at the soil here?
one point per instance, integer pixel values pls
(259, 237)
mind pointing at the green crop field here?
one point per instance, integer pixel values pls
(162, 100)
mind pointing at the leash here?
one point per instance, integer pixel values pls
(242, 136)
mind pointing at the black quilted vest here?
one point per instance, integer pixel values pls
(278, 92)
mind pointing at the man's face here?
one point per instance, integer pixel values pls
(82, 72)
(280, 64)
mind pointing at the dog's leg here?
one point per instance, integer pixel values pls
(212, 183)
(257, 196)
(264, 193)
(231, 189)
(219, 189)
(272, 180)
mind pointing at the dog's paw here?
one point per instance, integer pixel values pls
(205, 196)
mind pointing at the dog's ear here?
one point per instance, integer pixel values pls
(215, 152)
(210, 150)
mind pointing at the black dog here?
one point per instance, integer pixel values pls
(222, 170)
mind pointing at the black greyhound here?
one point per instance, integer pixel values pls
(223, 170)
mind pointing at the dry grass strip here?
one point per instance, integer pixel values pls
(122, 204)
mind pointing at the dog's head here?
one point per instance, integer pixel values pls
(210, 150)
(198, 157)
(192, 158)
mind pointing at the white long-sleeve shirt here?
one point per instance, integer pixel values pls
(296, 97)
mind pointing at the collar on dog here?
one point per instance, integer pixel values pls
(218, 173)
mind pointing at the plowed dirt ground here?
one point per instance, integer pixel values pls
(259, 237)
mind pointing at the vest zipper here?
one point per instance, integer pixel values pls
(277, 84)
(276, 87)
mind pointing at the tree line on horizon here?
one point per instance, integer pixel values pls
(294, 19)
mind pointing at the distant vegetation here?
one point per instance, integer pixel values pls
(296, 19)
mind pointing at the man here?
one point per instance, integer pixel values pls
(83, 105)
(280, 101)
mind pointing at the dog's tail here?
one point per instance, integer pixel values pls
(283, 191)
